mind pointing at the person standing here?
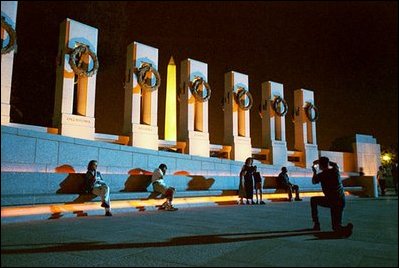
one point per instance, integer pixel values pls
(334, 196)
(381, 180)
(246, 187)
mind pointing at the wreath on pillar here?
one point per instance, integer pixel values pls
(76, 60)
(276, 106)
(194, 86)
(308, 111)
(144, 82)
(12, 44)
(240, 98)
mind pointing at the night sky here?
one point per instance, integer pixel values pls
(346, 52)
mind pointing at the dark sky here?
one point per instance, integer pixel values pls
(346, 52)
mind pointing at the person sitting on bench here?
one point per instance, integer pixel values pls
(283, 182)
(160, 186)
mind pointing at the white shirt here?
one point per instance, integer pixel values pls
(157, 176)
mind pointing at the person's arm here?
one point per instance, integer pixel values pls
(334, 166)
(242, 174)
(315, 178)
(89, 181)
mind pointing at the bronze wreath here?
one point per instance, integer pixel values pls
(238, 97)
(308, 111)
(76, 56)
(275, 106)
(12, 45)
(194, 85)
(145, 83)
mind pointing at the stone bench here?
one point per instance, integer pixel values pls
(41, 188)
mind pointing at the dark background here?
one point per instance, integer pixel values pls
(346, 52)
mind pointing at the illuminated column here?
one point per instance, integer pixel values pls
(8, 40)
(170, 107)
(76, 80)
(141, 96)
(367, 154)
(237, 102)
(306, 115)
(193, 117)
(274, 108)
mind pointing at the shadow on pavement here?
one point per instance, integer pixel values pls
(177, 241)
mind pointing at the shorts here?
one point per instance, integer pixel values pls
(160, 188)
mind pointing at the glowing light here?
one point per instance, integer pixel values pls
(170, 108)
(135, 204)
(386, 158)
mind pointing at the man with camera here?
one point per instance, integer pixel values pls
(334, 196)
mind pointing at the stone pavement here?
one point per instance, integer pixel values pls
(274, 234)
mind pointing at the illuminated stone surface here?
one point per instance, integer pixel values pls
(9, 12)
(236, 120)
(76, 122)
(141, 106)
(193, 118)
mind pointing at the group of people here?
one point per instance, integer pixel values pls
(382, 174)
(251, 179)
(95, 184)
(328, 177)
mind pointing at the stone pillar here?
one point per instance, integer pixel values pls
(237, 102)
(141, 96)
(8, 40)
(273, 122)
(193, 116)
(367, 154)
(76, 80)
(306, 115)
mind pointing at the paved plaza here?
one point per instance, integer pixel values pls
(275, 234)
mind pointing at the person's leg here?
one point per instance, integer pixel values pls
(314, 202)
(260, 193)
(159, 188)
(296, 189)
(256, 193)
(169, 195)
(336, 217)
(103, 192)
(383, 186)
(289, 190)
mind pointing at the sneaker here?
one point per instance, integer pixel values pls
(289, 199)
(170, 208)
(108, 213)
(256, 203)
(104, 205)
(346, 231)
(316, 227)
(262, 203)
(298, 199)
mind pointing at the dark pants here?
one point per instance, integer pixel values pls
(289, 188)
(382, 184)
(335, 209)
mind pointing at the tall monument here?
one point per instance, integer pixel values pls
(274, 108)
(306, 115)
(9, 45)
(193, 117)
(237, 103)
(76, 80)
(141, 96)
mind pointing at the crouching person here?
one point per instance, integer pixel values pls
(96, 185)
(160, 186)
